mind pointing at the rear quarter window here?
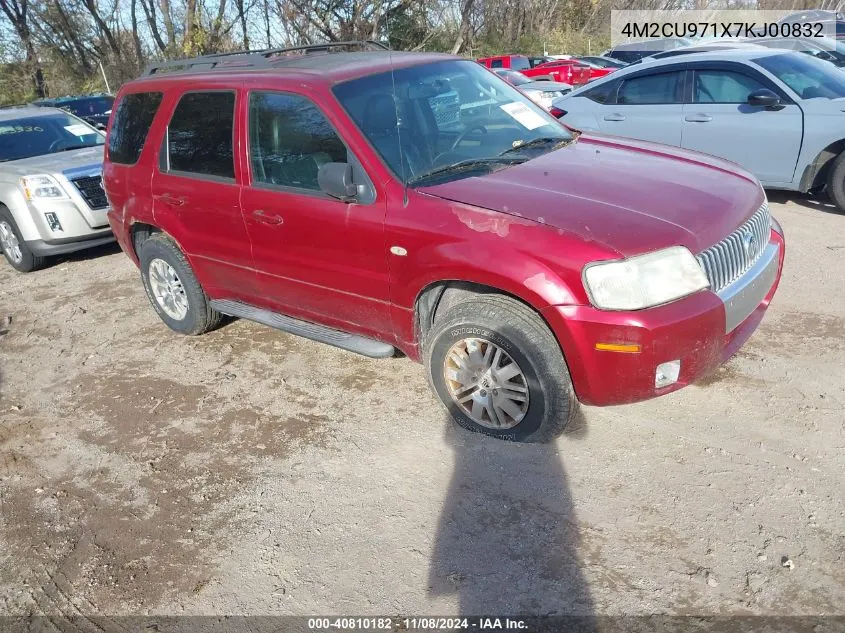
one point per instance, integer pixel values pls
(132, 120)
(602, 92)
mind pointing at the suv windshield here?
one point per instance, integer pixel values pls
(46, 134)
(809, 77)
(448, 120)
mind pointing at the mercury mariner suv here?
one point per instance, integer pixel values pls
(339, 197)
(51, 196)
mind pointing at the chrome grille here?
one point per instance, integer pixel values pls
(91, 190)
(726, 261)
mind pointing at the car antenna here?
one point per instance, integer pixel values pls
(396, 108)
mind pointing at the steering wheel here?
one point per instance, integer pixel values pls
(462, 136)
(58, 145)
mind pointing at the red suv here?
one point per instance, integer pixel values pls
(381, 202)
(568, 71)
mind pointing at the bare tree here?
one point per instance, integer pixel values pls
(18, 13)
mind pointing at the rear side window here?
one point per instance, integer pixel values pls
(199, 137)
(132, 122)
(602, 92)
(496, 63)
(289, 139)
(520, 63)
(652, 89)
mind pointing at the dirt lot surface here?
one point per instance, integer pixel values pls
(251, 472)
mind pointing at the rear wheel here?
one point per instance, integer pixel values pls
(14, 248)
(173, 289)
(836, 182)
(499, 370)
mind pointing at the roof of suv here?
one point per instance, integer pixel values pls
(330, 67)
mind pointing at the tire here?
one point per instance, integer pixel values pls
(156, 254)
(27, 261)
(519, 334)
(836, 182)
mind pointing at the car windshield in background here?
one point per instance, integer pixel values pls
(90, 106)
(448, 120)
(513, 77)
(38, 135)
(809, 77)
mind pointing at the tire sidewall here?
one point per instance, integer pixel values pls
(836, 182)
(157, 249)
(513, 342)
(28, 261)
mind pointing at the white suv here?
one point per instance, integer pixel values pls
(51, 196)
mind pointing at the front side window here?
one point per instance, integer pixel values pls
(809, 77)
(200, 135)
(45, 134)
(448, 120)
(652, 89)
(289, 139)
(131, 124)
(496, 63)
(721, 86)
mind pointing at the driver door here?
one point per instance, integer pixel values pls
(719, 121)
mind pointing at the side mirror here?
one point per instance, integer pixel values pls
(335, 179)
(763, 98)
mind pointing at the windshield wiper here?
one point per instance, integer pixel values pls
(555, 142)
(465, 165)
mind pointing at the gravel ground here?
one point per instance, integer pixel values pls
(251, 472)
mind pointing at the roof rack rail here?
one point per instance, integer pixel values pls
(248, 59)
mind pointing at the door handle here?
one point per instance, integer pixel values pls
(698, 118)
(169, 198)
(614, 117)
(267, 218)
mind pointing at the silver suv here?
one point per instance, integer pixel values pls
(51, 196)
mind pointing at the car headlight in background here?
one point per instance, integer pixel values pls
(645, 280)
(41, 188)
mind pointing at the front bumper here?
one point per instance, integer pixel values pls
(71, 244)
(702, 331)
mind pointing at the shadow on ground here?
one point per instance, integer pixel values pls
(819, 202)
(507, 538)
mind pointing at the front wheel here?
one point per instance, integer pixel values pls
(836, 182)
(499, 370)
(14, 248)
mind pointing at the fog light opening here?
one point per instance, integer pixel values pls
(53, 222)
(667, 374)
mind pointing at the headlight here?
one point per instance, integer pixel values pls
(645, 280)
(42, 187)
(550, 94)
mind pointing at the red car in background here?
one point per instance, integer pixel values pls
(567, 71)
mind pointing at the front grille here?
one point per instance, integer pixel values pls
(728, 260)
(91, 189)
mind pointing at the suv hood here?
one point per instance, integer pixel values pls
(631, 196)
(54, 163)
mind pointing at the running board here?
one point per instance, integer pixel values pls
(321, 333)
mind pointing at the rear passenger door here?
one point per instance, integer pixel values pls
(720, 121)
(648, 106)
(196, 193)
(317, 257)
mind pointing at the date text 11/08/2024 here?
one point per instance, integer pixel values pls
(421, 623)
